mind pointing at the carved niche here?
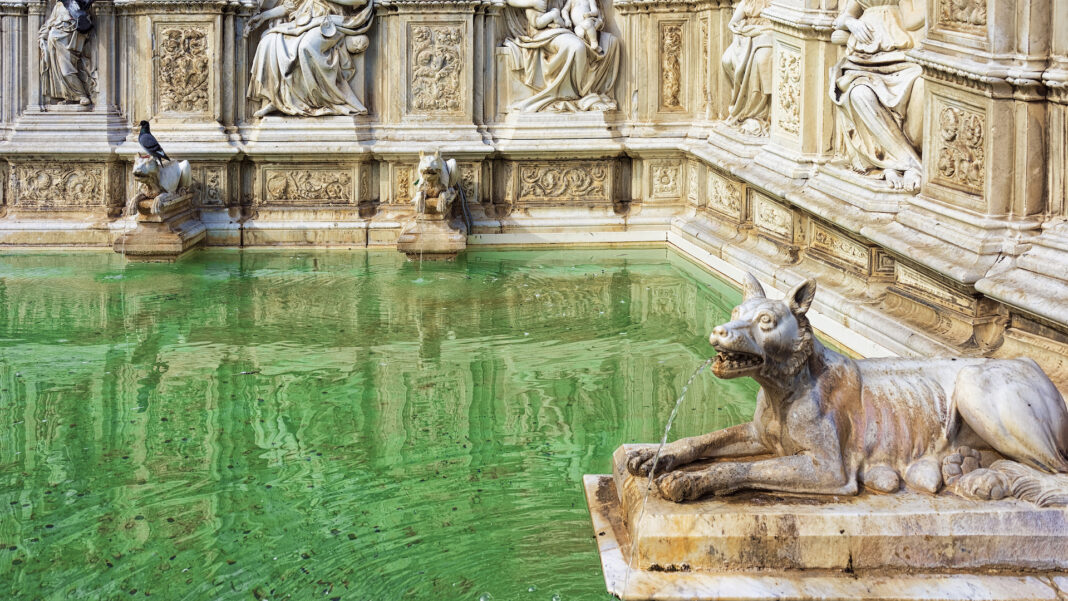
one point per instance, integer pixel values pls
(183, 67)
(435, 67)
(309, 186)
(788, 91)
(959, 148)
(558, 182)
(671, 36)
(47, 185)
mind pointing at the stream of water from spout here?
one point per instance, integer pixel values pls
(652, 473)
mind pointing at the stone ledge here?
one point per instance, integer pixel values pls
(794, 585)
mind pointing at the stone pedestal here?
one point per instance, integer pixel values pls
(869, 546)
(164, 236)
(431, 237)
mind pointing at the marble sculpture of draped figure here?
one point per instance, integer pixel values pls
(747, 63)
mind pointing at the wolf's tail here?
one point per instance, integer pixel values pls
(1028, 484)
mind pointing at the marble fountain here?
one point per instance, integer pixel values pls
(907, 156)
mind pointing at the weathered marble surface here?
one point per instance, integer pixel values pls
(856, 583)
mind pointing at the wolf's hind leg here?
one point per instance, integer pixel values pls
(881, 478)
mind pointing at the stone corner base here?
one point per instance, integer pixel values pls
(912, 585)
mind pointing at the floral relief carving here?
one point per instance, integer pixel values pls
(468, 181)
(402, 186)
(54, 185)
(666, 179)
(436, 66)
(840, 247)
(693, 190)
(960, 148)
(310, 186)
(706, 97)
(671, 66)
(772, 217)
(211, 186)
(183, 69)
(565, 180)
(788, 92)
(964, 15)
(724, 196)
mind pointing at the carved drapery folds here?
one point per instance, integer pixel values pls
(747, 63)
(555, 58)
(877, 92)
(305, 61)
(671, 66)
(68, 74)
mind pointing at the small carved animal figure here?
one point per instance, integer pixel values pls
(585, 17)
(437, 184)
(830, 422)
(158, 179)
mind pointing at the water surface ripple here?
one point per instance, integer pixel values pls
(334, 425)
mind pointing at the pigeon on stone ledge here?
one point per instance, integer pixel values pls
(150, 145)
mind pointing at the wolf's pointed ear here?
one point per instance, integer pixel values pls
(800, 298)
(751, 287)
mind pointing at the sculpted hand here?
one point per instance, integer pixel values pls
(860, 30)
(640, 462)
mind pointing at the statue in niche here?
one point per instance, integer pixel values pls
(566, 68)
(747, 62)
(878, 93)
(984, 428)
(304, 62)
(66, 69)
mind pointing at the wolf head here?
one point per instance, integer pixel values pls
(432, 168)
(768, 338)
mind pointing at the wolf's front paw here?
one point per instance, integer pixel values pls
(640, 462)
(964, 461)
(982, 484)
(679, 486)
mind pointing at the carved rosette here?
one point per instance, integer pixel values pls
(665, 180)
(959, 148)
(46, 185)
(787, 113)
(671, 66)
(551, 182)
(309, 186)
(435, 67)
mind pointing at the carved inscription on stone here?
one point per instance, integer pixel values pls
(788, 91)
(554, 181)
(724, 196)
(772, 217)
(309, 186)
(183, 72)
(839, 247)
(58, 185)
(666, 179)
(435, 65)
(960, 151)
(671, 66)
(962, 15)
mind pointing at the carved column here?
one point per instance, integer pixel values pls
(13, 61)
(801, 110)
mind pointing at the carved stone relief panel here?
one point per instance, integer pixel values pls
(706, 51)
(725, 197)
(469, 180)
(564, 182)
(671, 66)
(183, 67)
(693, 184)
(59, 185)
(435, 68)
(839, 249)
(787, 105)
(366, 182)
(968, 16)
(772, 218)
(666, 176)
(210, 184)
(959, 146)
(921, 286)
(309, 186)
(403, 183)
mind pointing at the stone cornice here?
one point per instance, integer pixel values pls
(180, 6)
(637, 6)
(12, 7)
(809, 24)
(998, 79)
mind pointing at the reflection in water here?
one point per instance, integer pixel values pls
(297, 424)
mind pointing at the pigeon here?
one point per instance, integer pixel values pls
(150, 145)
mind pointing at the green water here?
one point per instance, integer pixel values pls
(334, 425)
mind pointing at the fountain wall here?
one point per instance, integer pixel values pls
(736, 133)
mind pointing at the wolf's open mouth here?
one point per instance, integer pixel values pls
(732, 360)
